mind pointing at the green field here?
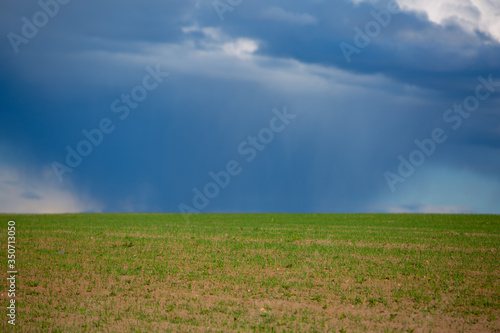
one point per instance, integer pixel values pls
(262, 272)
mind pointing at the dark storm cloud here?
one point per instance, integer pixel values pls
(353, 119)
(409, 49)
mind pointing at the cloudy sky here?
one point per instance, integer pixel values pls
(250, 106)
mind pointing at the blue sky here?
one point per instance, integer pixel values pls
(250, 106)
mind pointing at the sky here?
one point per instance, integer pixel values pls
(202, 106)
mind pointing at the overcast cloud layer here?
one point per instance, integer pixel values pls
(307, 106)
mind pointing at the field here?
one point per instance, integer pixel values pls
(255, 273)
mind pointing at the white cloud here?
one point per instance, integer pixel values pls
(189, 29)
(216, 39)
(471, 15)
(241, 48)
(38, 194)
(279, 14)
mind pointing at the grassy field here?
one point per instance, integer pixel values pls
(265, 272)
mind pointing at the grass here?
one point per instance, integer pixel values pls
(262, 272)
